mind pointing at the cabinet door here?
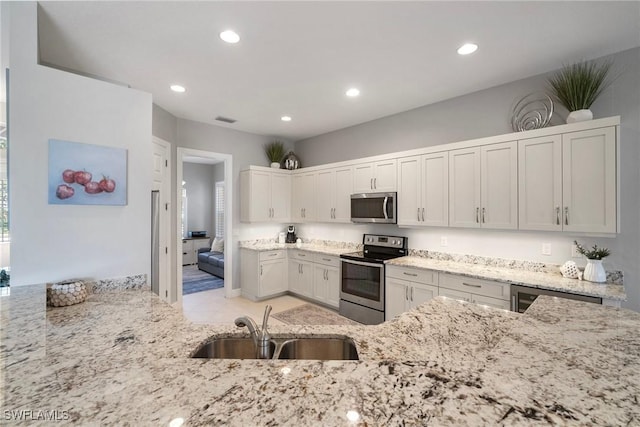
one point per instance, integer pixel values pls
(342, 195)
(325, 186)
(419, 294)
(363, 178)
(435, 189)
(464, 188)
(589, 181)
(499, 186)
(188, 255)
(272, 277)
(260, 201)
(384, 177)
(306, 279)
(280, 197)
(320, 291)
(396, 297)
(540, 183)
(450, 293)
(303, 203)
(409, 191)
(333, 286)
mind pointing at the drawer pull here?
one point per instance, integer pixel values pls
(471, 285)
(302, 255)
(326, 259)
(410, 274)
(273, 254)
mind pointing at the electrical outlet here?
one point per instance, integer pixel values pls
(444, 241)
(546, 249)
(574, 251)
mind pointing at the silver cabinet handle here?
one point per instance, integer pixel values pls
(423, 214)
(409, 274)
(406, 293)
(273, 254)
(478, 215)
(483, 211)
(557, 216)
(302, 255)
(326, 274)
(299, 265)
(261, 269)
(418, 214)
(566, 215)
(326, 259)
(371, 184)
(471, 285)
(412, 293)
(375, 183)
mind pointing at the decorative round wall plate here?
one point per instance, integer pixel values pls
(533, 111)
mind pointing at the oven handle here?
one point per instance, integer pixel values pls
(384, 208)
(366, 264)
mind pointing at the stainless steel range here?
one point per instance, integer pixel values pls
(362, 290)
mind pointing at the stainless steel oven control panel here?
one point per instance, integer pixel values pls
(385, 241)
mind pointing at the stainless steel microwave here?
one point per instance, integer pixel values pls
(374, 207)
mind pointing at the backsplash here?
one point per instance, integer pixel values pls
(138, 281)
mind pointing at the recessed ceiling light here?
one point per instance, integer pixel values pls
(230, 36)
(353, 92)
(467, 48)
(285, 118)
(178, 88)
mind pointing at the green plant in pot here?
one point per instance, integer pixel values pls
(594, 271)
(275, 152)
(577, 86)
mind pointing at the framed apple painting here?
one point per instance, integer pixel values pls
(86, 174)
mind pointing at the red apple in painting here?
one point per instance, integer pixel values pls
(82, 177)
(64, 191)
(68, 176)
(107, 184)
(92, 187)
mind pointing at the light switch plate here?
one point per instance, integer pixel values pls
(546, 249)
(444, 241)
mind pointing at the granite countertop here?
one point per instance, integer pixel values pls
(320, 247)
(121, 358)
(543, 280)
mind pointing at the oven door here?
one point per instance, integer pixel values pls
(363, 283)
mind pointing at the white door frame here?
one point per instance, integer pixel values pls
(164, 269)
(228, 216)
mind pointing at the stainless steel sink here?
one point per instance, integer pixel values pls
(315, 348)
(319, 349)
(231, 348)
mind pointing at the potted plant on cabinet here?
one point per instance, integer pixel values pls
(578, 85)
(594, 271)
(275, 152)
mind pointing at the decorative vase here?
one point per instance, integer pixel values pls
(594, 271)
(291, 161)
(579, 116)
(275, 165)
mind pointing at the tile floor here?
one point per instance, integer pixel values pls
(211, 307)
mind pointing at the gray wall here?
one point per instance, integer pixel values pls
(165, 125)
(200, 188)
(487, 113)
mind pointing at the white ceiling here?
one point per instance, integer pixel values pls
(298, 58)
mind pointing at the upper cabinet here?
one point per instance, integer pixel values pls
(423, 190)
(483, 186)
(375, 177)
(303, 206)
(333, 194)
(265, 196)
(568, 182)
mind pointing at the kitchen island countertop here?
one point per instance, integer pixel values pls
(121, 358)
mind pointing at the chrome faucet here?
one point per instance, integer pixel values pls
(261, 337)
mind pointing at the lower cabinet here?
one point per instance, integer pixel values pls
(315, 276)
(301, 278)
(326, 285)
(407, 288)
(477, 291)
(264, 274)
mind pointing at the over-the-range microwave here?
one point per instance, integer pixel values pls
(374, 207)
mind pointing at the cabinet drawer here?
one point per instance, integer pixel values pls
(303, 255)
(427, 277)
(476, 286)
(491, 302)
(331, 260)
(269, 255)
(450, 293)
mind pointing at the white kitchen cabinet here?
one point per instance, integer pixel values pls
(188, 255)
(265, 196)
(483, 186)
(423, 190)
(406, 288)
(264, 274)
(568, 182)
(326, 280)
(333, 195)
(375, 177)
(478, 291)
(301, 277)
(303, 203)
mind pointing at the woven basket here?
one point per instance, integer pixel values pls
(66, 293)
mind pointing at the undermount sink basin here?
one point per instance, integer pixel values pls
(231, 348)
(319, 349)
(342, 348)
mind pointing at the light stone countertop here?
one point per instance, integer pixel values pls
(320, 247)
(121, 358)
(543, 280)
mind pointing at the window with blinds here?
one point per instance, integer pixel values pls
(219, 209)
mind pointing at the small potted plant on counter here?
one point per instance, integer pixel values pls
(275, 152)
(594, 271)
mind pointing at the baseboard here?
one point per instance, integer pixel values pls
(235, 293)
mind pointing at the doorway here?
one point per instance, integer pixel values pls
(160, 219)
(188, 155)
